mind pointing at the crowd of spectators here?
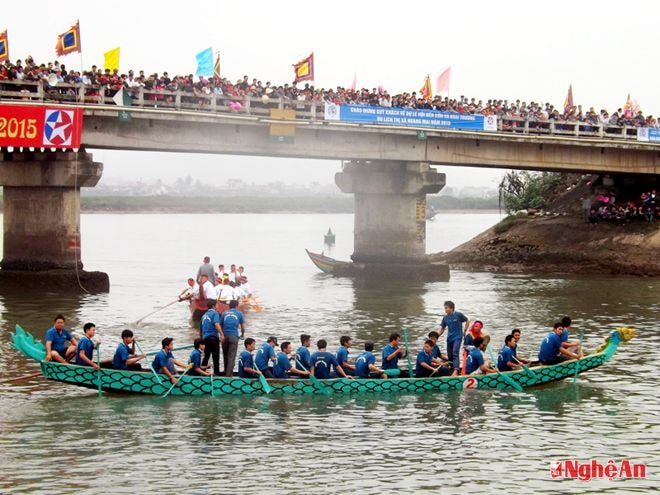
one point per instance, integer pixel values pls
(158, 88)
(605, 208)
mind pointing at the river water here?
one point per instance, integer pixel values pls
(57, 438)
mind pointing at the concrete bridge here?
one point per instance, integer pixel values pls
(388, 168)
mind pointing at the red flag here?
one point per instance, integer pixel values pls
(69, 41)
(426, 90)
(4, 46)
(568, 102)
(442, 84)
(628, 108)
(354, 83)
(304, 69)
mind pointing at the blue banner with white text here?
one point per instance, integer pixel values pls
(409, 117)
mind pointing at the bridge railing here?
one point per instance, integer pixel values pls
(210, 102)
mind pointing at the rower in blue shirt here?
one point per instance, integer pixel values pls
(265, 355)
(282, 367)
(246, 367)
(56, 338)
(164, 360)
(122, 359)
(457, 323)
(475, 361)
(211, 332)
(506, 359)
(86, 346)
(392, 352)
(345, 343)
(424, 366)
(195, 359)
(551, 350)
(323, 361)
(231, 321)
(365, 364)
(302, 353)
(566, 323)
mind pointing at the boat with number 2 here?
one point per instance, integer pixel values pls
(147, 382)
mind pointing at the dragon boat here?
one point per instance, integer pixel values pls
(147, 382)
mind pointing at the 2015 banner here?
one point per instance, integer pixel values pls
(40, 127)
(409, 117)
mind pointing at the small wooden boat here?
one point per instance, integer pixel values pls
(327, 264)
(329, 237)
(147, 382)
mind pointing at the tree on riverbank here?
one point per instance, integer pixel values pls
(522, 190)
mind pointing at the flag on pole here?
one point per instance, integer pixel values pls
(205, 63)
(426, 90)
(111, 59)
(4, 46)
(122, 98)
(442, 83)
(304, 69)
(216, 69)
(568, 102)
(69, 41)
(628, 108)
(354, 83)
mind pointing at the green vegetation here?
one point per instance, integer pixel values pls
(505, 224)
(524, 190)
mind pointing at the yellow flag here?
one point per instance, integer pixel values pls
(111, 59)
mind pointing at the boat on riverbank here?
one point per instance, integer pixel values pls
(149, 383)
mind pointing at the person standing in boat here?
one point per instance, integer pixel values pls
(211, 332)
(551, 351)
(265, 355)
(86, 346)
(303, 356)
(230, 321)
(345, 343)
(246, 367)
(323, 361)
(282, 367)
(122, 359)
(365, 364)
(476, 364)
(392, 352)
(506, 358)
(164, 360)
(207, 290)
(56, 338)
(206, 268)
(458, 324)
(195, 360)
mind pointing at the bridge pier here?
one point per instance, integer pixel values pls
(41, 219)
(390, 213)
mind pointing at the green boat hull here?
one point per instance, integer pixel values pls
(149, 383)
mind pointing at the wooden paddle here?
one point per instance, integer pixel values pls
(188, 368)
(138, 322)
(506, 378)
(264, 384)
(23, 377)
(392, 372)
(405, 341)
(150, 365)
(315, 381)
(98, 371)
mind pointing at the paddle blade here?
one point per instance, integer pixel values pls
(264, 384)
(392, 372)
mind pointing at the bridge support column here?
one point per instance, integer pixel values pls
(390, 209)
(42, 219)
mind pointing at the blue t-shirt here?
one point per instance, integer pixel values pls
(163, 360)
(392, 363)
(322, 361)
(474, 361)
(342, 355)
(230, 321)
(282, 366)
(505, 356)
(245, 361)
(455, 323)
(121, 356)
(362, 363)
(195, 359)
(264, 355)
(210, 318)
(58, 339)
(423, 357)
(85, 344)
(435, 352)
(468, 340)
(550, 347)
(564, 335)
(303, 355)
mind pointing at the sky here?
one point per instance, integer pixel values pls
(506, 50)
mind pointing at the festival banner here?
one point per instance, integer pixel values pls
(40, 127)
(648, 134)
(304, 69)
(568, 101)
(4, 46)
(426, 91)
(69, 41)
(205, 66)
(111, 59)
(409, 117)
(216, 69)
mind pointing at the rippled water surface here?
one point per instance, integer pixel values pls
(56, 438)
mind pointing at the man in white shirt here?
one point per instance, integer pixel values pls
(227, 293)
(190, 291)
(233, 274)
(207, 289)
